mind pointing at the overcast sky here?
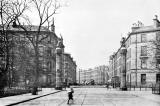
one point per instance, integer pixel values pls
(92, 29)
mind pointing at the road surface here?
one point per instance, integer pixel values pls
(93, 97)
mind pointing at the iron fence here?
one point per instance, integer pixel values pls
(156, 88)
(16, 91)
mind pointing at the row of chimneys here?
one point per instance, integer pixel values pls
(156, 23)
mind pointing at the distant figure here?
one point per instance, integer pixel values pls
(107, 86)
(70, 95)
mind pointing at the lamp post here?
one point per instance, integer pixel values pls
(123, 52)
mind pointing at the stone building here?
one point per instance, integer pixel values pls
(98, 74)
(69, 70)
(85, 76)
(22, 55)
(142, 58)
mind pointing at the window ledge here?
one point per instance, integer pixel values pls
(143, 56)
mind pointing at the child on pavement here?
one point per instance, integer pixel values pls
(70, 95)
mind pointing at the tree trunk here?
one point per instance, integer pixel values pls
(36, 80)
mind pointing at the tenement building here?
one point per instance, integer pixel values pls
(69, 70)
(21, 52)
(96, 75)
(142, 57)
(22, 55)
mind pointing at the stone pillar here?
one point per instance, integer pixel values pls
(123, 52)
(59, 65)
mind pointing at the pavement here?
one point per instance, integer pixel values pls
(146, 95)
(143, 93)
(14, 100)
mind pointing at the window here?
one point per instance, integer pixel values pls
(130, 53)
(143, 78)
(119, 62)
(127, 68)
(158, 36)
(157, 63)
(158, 51)
(143, 50)
(157, 78)
(129, 65)
(49, 52)
(49, 79)
(41, 50)
(143, 63)
(49, 65)
(127, 77)
(143, 38)
(127, 54)
(127, 43)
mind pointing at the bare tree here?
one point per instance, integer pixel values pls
(9, 11)
(12, 13)
(45, 10)
(21, 60)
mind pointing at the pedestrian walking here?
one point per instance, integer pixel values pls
(70, 95)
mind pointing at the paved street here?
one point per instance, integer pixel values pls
(97, 97)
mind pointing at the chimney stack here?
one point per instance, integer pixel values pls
(156, 21)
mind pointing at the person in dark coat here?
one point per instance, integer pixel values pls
(70, 95)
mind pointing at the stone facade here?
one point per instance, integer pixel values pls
(70, 68)
(141, 62)
(22, 57)
(98, 74)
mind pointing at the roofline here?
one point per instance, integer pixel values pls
(18, 31)
(137, 32)
(153, 30)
